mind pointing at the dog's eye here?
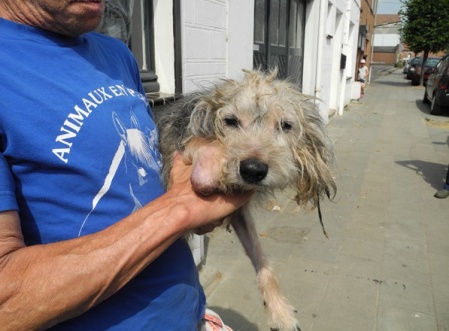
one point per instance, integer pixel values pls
(286, 126)
(232, 121)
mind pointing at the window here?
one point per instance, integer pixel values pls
(117, 19)
(279, 37)
(132, 22)
(141, 43)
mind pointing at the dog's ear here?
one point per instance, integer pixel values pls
(206, 106)
(203, 116)
(314, 155)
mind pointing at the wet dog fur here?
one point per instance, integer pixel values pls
(258, 134)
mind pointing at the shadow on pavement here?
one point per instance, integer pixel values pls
(385, 82)
(433, 173)
(234, 320)
(425, 109)
(422, 107)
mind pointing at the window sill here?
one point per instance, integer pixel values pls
(159, 98)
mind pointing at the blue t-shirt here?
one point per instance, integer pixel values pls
(78, 152)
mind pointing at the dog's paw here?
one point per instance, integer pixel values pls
(286, 325)
(283, 318)
(281, 314)
(295, 329)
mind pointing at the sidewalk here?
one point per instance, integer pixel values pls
(387, 265)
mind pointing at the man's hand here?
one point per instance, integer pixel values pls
(207, 212)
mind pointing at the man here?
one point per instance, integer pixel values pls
(362, 75)
(89, 240)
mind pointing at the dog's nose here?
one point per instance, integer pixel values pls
(253, 170)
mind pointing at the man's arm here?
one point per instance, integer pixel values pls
(43, 285)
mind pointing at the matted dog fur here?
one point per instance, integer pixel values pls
(258, 134)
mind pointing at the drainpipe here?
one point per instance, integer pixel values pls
(320, 45)
(345, 50)
(372, 44)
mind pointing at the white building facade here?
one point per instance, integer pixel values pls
(181, 46)
(218, 40)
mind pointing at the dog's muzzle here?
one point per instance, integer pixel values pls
(253, 171)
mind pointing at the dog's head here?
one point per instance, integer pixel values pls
(271, 136)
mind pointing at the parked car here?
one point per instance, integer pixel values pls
(415, 71)
(436, 92)
(406, 65)
(410, 64)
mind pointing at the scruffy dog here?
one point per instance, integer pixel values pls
(260, 134)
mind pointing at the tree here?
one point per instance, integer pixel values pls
(425, 26)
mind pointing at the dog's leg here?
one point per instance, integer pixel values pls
(280, 312)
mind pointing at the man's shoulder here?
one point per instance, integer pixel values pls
(111, 48)
(106, 40)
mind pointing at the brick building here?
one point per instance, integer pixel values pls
(366, 29)
(387, 40)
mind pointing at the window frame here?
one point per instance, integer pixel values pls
(142, 43)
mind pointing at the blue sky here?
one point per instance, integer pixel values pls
(388, 6)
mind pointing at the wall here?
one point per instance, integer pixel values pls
(352, 57)
(203, 42)
(337, 72)
(240, 37)
(328, 61)
(387, 58)
(331, 30)
(351, 32)
(387, 39)
(367, 17)
(163, 38)
(217, 40)
(311, 42)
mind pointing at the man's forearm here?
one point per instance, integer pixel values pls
(45, 284)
